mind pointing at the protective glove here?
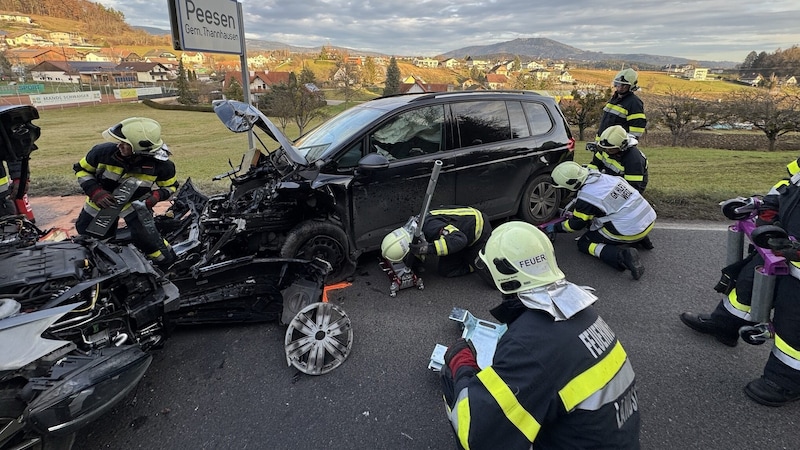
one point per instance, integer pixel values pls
(786, 248)
(591, 146)
(550, 231)
(420, 248)
(102, 198)
(152, 199)
(461, 354)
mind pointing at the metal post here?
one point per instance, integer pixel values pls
(735, 247)
(763, 293)
(245, 70)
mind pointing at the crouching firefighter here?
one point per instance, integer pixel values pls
(133, 166)
(455, 235)
(559, 377)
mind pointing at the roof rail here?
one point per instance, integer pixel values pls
(470, 93)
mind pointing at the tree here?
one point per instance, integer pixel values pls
(683, 112)
(348, 75)
(5, 66)
(185, 96)
(584, 109)
(234, 91)
(307, 100)
(392, 85)
(775, 113)
(278, 103)
(370, 71)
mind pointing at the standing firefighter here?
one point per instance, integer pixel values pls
(136, 154)
(624, 108)
(618, 154)
(780, 382)
(617, 216)
(559, 377)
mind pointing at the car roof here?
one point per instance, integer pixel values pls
(393, 101)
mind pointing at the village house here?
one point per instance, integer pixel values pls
(752, 79)
(193, 58)
(696, 74)
(450, 63)
(148, 72)
(496, 81)
(260, 82)
(27, 40)
(5, 17)
(426, 62)
(419, 87)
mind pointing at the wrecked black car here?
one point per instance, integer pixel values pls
(335, 192)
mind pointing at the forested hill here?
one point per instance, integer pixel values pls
(97, 18)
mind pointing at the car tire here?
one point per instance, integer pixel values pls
(317, 239)
(540, 201)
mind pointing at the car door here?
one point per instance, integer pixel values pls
(383, 199)
(494, 157)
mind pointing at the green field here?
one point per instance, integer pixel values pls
(685, 183)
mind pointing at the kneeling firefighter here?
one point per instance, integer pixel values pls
(137, 157)
(559, 377)
(455, 235)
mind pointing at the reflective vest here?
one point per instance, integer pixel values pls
(620, 205)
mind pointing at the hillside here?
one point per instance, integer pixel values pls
(543, 48)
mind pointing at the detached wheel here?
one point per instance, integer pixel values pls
(323, 240)
(540, 200)
(318, 339)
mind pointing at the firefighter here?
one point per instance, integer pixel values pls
(135, 150)
(455, 235)
(780, 382)
(559, 377)
(618, 154)
(617, 216)
(17, 140)
(624, 108)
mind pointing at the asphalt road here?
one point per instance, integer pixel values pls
(230, 387)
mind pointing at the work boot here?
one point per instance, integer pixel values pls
(766, 392)
(645, 243)
(629, 259)
(704, 324)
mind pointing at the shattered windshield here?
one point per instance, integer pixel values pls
(317, 143)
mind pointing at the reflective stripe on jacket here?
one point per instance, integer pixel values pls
(452, 230)
(626, 111)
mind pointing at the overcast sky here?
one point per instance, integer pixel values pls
(717, 30)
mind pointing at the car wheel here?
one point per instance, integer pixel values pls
(323, 240)
(540, 200)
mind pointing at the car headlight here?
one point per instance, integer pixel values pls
(89, 391)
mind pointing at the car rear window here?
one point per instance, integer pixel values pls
(538, 118)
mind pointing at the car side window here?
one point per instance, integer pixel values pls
(538, 118)
(482, 122)
(519, 126)
(350, 158)
(411, 133)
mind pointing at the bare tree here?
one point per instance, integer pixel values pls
(278, 103)
(775, 112)
(682, 111)
(584, 109)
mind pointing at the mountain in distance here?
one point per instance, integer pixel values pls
(525, 48)
(543, 48)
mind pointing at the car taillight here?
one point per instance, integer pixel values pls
(571, 145)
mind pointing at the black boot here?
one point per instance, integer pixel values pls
(645, 243)
(766, 392)
(703, 323)
(629, 259)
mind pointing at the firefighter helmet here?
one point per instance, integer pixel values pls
(614, 137)
(570, 175)
(520, 257)
(395, 245)
(141, 133)
(793, 167)
(627, 76)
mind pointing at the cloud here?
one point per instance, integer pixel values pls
(701, 29)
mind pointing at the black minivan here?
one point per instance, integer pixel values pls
(336, 191)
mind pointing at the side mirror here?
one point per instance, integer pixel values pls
(373, 161)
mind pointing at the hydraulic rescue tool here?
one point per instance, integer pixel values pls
(401, 273)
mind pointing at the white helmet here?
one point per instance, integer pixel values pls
(614, 137)
(141, 133)
(395, 245)
(520, 257)
(570, 175)
(629, 77)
